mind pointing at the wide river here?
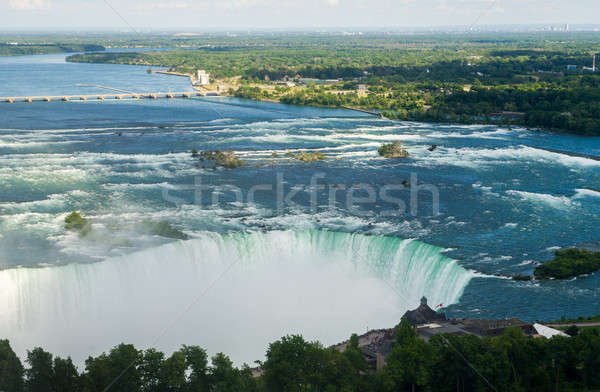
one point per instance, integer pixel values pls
(277, 246)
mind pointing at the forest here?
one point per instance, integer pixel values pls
(510, 362)
(537, 80)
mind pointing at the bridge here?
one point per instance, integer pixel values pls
(104, 97)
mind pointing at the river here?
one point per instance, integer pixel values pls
(277, 246)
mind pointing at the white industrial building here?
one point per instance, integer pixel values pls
(202, 78)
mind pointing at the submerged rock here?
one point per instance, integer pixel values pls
(162, 229)
(226, 159)
(521, 277)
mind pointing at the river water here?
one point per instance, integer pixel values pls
(277, 246)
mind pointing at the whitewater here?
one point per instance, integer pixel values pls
(251, 270)
(234, 293)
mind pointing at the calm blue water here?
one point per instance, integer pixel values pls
(504, 202)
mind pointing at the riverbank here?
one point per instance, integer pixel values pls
(18, 49)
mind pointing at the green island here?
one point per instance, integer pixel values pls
(539, 80)
(510, 361)
(75, 222)
(309, 156)
(392, 150)
(226, 159)
(569, 263)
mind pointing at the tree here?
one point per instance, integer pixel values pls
(118, 369)
(66, 377)
(172, 373)
(97, 373)
(11, 369)
(223, 376)
(40, 374)
(572, 330)
(197, 361)
(286, 366)
(150, 368)
(591, 357)
(354, 355)
(410, 362)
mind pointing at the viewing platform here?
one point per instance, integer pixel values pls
(104, 97)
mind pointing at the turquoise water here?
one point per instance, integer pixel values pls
(504, 201)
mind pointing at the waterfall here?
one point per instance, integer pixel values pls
(233, 293)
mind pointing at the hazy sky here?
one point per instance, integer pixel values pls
(207, 14)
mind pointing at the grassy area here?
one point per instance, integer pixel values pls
(590, 319)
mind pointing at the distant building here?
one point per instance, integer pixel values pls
(202, 78)
(423, 314)
(376, 345)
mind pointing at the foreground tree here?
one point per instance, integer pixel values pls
(40, 374)
(172, 373)
(409, 364)
(150, 367)
(197, 361)
(66, 377)
(117, 370)
(11, 369)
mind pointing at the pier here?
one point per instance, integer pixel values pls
(104, 97)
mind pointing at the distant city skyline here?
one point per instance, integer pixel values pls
(287, 14)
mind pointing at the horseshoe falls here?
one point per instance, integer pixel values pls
(252, 271)
(322, 284)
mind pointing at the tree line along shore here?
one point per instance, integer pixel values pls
(511, 361)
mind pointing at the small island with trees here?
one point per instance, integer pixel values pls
(392, 150)
(569, 263)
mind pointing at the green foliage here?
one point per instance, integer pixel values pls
(150, 366)
(11, 369)
(163, 229)
(74, 221)
(569, 263)
(197, 361)
(295, 365)
(172, 372)
(39, 375)
(393, 150)
(309, 157)
(442, 78)
(446, 363)
(572, 330)
(66, 377)
(226, 159)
